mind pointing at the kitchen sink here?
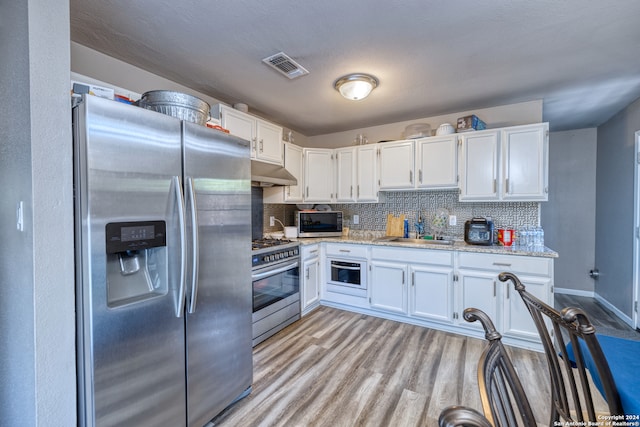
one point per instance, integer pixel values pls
(414, 241)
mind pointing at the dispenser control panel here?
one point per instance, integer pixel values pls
(135, 236)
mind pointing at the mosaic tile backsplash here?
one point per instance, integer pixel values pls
(373, 216)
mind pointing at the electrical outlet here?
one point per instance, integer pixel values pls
(272, 221)
(453, 220)
(356, 219)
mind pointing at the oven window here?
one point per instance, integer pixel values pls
(270, 289)
(346, 272)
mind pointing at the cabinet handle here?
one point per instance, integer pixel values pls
(253, 145)
(403, 277)
(508, 287)
(345, 250)
(502, 264)
(351, 192)
(410, 177)
(413, 278)
(307, 273)
(261, 146)
(506, 184)
(315, 251)
(494, 186)
(307, 191)
(420, 175)
(358, 191)
(494, 288)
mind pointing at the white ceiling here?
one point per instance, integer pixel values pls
(432, 57)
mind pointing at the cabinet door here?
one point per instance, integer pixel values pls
(269, 142)
(396, 165)
(346, 174)
(318, 175)
(517, 321)
(388, 284)
(479, 173)
(367, 175)
(431, 295)
(293, 163)
(240, 125)
(437, 162)
(478, 290)
(310, 283)
(525, 154)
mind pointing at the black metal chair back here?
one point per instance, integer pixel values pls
(572, 399)
(504, 402)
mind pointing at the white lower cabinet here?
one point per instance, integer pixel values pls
(388, 287)
(480, 287)
(310, 278)
(432, 287)
(477, 289)
(431, 294)
(517, 321)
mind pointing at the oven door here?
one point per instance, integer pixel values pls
(347, 276)
(274, 283)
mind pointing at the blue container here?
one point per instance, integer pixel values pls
(406, 228)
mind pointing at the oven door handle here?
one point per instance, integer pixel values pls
(345, 267)
(262, 275)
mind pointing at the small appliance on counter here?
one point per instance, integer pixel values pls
(479, 231)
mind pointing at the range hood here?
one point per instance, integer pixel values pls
(267, 175)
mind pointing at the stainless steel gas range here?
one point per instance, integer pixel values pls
(275, 274)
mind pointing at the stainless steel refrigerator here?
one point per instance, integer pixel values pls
(163, 285)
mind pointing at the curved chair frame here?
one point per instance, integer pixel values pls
(572, 401)
(504, 402)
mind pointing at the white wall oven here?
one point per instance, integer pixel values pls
(347, 276)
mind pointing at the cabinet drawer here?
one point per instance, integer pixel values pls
(511, 263)
(422, 256)
(309, 251)
(346, 250)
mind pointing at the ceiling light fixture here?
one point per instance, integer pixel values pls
(356, 86)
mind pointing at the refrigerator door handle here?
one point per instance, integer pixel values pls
(194, 242)
(183, 246)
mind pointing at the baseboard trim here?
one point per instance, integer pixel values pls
(576, 292)
(626, 319)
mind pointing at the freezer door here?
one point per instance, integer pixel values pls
(131, 360)
(219, 355)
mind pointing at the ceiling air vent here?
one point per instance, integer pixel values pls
(285, 65)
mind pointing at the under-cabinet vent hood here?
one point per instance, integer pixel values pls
(267, 174)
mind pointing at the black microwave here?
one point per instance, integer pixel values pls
(319, 223)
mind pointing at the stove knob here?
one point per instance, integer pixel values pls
(265, 258)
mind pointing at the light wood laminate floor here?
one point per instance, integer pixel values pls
(337, 368)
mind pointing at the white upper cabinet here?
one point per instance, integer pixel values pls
(437, 162)
(346, 174)
(293, 163)
(505, 164)
(480, 166)
(356, 174)
(525, 152)
(318, 175)
(265, 137)
(367, 182)
(396, 165)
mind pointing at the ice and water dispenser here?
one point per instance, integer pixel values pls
(136, 261)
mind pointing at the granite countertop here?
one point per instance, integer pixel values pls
(457, 245)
